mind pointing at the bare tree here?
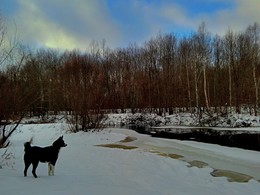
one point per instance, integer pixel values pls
(196, 66)
(7, 44)
(230, 53)
(253, 34)
(11, 59)
(219, 73)
(203, 57)
(185, 50)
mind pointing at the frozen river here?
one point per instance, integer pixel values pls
(216, 156)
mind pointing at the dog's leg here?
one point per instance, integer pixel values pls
(53, 167)
(50, 169)
(35, 164)
(27, 165)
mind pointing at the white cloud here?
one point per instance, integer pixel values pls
(75, 24)
(248, 10)
(34, 28)
(177, 15)
(236, 17)
(90, 22)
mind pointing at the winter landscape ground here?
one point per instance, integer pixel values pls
(121, 161)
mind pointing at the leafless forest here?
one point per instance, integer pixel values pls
(200, 70)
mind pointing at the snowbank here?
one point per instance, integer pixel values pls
(182, 119)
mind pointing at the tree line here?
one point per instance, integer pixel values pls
(197, 71)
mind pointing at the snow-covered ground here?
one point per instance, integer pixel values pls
(85, 168)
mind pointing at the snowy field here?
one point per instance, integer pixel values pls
(85, 168)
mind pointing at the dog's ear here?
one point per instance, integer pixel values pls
(61, 137)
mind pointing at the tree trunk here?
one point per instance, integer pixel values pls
(230, 83)
(205, 87)
(188, 83)
(256, 89)
(4, 139)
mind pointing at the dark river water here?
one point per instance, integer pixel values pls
(241, 139)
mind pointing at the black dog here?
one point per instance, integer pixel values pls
(34, 155)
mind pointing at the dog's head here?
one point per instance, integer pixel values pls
(59, 142)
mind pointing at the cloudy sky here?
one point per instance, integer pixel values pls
(69, 24)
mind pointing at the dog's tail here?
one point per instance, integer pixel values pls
(27, 146)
